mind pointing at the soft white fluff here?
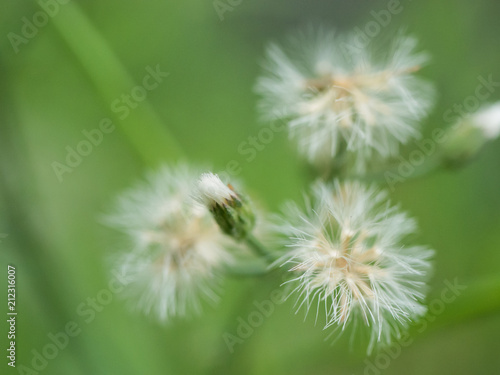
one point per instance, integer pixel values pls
(347, 252)
(173, 249)
(337, 96)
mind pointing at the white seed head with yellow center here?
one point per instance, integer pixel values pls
(337, 96)
(347, 252)
(174, 249)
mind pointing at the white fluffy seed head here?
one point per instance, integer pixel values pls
(337, 95)
(347, 253)
(488, 120)
(173, 246)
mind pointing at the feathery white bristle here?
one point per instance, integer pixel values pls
(347, 254)
(175, 247)
(331, 93)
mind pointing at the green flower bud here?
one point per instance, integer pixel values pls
(471, 133)
(231, 210)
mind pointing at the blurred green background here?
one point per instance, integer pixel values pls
(50, 94)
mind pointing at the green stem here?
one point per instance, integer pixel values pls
(259, 266)
(142, 126)
(29, 247)
(397, 173)
(248, 269)
(258, 248)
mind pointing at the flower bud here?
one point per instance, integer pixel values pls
(231, 211)
(471, 133)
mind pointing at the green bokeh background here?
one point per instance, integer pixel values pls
(60, 250)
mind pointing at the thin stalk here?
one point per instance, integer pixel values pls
(258, 248)
(254, 267)
(398, 173)
(142, 126)
(248, 269)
